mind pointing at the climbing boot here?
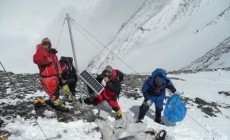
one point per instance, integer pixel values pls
(118, 114)
(58, 105)
(39, 103)
(158, 116)
(3, 137)
(68, 93)
(39, 100)
(142, 111)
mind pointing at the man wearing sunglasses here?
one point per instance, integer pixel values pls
(50, 72)
(111, 80)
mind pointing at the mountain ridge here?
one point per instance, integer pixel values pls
(170, 22)
(211, 57)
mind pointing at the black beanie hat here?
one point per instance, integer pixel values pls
(158, 81)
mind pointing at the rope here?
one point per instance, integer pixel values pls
(41, 129)
(101, 51)
(201, 125)
(38, 125)
(5, 71)
(16, 88)
(88, 33)
(86, 37)
(198, 123)
(194, 119)
(105, 47)
(60, 33)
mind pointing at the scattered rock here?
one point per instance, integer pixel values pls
(1, 123)
(208, 108)
(5, 133)
(19, 101)
(226, 93)
(209, 111)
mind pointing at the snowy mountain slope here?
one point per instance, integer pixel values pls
(225, 15)
(215, 58)
(213, 87)
(130, 32)
(161, 33)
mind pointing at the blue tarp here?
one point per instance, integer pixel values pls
(175, 110)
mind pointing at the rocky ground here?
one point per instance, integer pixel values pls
(16, 99)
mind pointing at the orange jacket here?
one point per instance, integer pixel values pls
(47, 62)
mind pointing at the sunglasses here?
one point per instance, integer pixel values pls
(108, 70)
(46, 43)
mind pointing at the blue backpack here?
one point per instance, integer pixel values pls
(175, 110)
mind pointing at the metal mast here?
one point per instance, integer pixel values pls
(74, 56)
(72, 43)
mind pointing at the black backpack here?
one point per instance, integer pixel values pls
(67, 67)
(66, 64)
(120, 77)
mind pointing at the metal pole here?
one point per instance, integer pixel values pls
(74, 55)
(72, 43)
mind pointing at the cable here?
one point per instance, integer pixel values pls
(16, 88)
(101, 51)
(201, 125)
(105, 46)
(41, 130)
(198, 123)
(86, 37)
(60, 33)
(88, 33)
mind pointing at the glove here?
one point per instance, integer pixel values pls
(106, 79)
(53, 51)
(62, 82)
(99, 77)
(49, 63)
(149, 103)
(103, 83)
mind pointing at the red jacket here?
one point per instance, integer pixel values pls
(47, 62)
(112, 86)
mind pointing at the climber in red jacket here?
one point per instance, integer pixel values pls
(111, 79)
(50, 72)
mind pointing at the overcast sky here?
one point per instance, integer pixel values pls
(24, 23)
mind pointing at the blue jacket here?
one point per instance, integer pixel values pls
(149, 83)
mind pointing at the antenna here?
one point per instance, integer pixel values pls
(74, 55)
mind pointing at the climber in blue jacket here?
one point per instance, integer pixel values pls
(154, 92)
